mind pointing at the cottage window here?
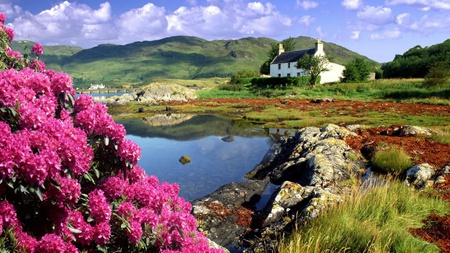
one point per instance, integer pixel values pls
(279, 75)
(298, 74)
(279, 66)
(289, 64)
(288, 75)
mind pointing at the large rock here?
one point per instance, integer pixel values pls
(420, 176)
(228, 212)
(154, 94)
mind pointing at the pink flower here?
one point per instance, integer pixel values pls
(67, 192)
(26, 243)
(37, 65)
(83, 102)
(134, 233)
(2, 18)
(62, 83)
(86, 233)
(37, 49)
(9, 215)
(50, 243)
(10, 33)
(102, 233)
(99, 207)
(113, 187)
(129, 152)
(13, 54)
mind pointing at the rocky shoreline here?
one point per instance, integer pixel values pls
(314, 169)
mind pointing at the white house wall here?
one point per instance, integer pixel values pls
(286, 69)
(334, 73)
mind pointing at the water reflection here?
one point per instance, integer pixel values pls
(215, 159)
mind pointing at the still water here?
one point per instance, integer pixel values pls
(221, 150)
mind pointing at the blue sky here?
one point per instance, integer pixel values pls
(376, 29)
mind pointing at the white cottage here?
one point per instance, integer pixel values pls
(285, 64)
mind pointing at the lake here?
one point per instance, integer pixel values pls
(221, 150)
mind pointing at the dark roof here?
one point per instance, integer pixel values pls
(292, 56)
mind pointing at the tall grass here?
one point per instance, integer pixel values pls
(372, 220)
(391, 160)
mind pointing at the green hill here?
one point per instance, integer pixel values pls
(179, 57)
(417, 61)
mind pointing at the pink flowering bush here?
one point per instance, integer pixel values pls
(69, 180)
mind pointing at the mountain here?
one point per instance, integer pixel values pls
(180, 57)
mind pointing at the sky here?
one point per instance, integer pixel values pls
(376, 29)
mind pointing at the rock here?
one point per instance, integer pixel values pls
(184, 159)
(141, 109)
(287, 195)
(320, 100)
(414, 130)
(229, 138)
(420, 176)
(155, 93)
(228, 213)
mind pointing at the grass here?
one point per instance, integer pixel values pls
(372, 220)
(391, 160)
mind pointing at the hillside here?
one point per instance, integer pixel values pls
(179, 57)
(417, 61)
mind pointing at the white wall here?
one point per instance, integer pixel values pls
(334, 73)
(286, 69)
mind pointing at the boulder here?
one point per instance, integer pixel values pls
(227, 213)
(184, 159)
(420, 176)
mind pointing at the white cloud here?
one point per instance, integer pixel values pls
(423, 4)
(355, 35)
(403, 19)
(387, 34)
(230, 19)
(351, 4)
(64, 22)
(79, 24)
(306, 4)
(145, 23)
(426, 24)
(376, 15)
(307, 20)
(320, 32)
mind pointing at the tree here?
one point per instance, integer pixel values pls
(356, 70)
(314, 65)
(245, 73)
(288, 45)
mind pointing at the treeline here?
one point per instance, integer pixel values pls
(417, 62)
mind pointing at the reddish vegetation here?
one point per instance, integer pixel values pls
(239, 215)
(356, 106)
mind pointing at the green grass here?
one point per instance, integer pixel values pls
(391, 160)
(372, 220)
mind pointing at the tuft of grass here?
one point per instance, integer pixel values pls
(442, 135)
(375, 219)
(391, 160)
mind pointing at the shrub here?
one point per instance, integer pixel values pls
(69, 180)
(391, 160)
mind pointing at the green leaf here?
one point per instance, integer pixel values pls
(74, 230)
(123, 225)
(97, 173)
(90, 219)
(39, 194)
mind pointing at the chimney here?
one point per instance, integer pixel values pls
(280, 48)
(319, 46)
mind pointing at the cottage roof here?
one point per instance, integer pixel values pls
(292, 56)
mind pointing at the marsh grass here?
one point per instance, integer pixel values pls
(374, 219)
(442, 134)
(391, 159)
